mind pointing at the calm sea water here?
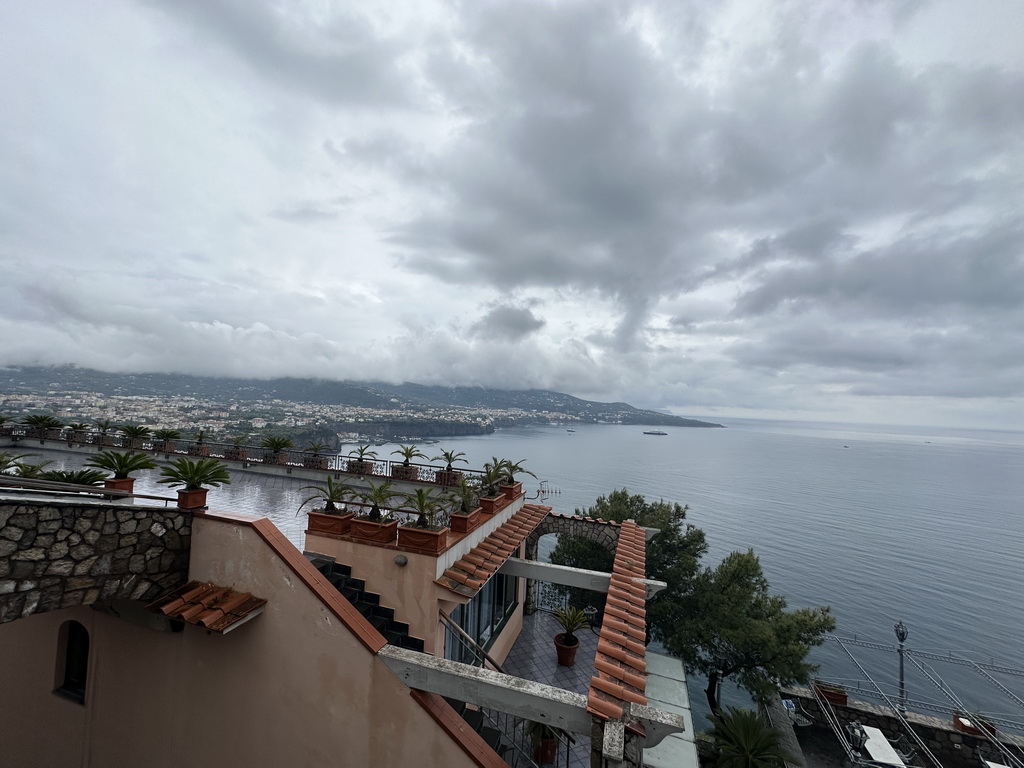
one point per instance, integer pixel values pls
(880, 523)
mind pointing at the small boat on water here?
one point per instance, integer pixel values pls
(655, 432)
(570, 430)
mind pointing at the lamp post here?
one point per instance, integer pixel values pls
(901, 635)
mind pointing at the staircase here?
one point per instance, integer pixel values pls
(367, 603)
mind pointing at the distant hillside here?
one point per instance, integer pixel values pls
(326, 392)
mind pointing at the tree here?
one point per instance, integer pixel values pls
(331, 495)
(730, 625)
(195, 474)
(121, 464)
(673, 554)
(745, 740)
(720, 621)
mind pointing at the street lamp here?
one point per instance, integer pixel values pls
(901, 635)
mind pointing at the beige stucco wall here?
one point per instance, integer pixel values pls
(292, 687)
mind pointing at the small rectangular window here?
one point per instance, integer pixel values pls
(72, 661)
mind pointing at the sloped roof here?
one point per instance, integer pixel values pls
(620, 670)
(468, 574)
(218, 609)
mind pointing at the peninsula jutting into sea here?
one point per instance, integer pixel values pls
(307, 407)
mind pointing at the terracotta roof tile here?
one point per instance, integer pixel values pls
(619, 666)
(206, 605)
(468, 574)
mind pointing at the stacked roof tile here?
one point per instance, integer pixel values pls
(468, 574)
(620, 674)
(218, 609)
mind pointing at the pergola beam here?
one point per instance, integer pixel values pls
(595, 581)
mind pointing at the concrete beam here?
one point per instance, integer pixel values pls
(657, 722)
(487, 688)
(595, 581)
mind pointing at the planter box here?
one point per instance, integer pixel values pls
(448, 478)
(236, 454)
(165, 446)
(402, 472)
(119, 484)
(422, 540)
(513, 491)
(973, 725)
(192, 499)
(368, 530)
(315, 462)
(354, 467)
(321, 522)
(276, 458)
(832, 694)
(466, 523)
(199, 450)
(492, 504)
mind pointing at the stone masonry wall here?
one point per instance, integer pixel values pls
(55, 555)
(952, 748)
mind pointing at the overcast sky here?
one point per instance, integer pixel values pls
(782, 209)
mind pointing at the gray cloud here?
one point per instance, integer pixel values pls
(505, 323)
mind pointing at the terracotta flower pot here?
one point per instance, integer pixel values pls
(448, 477)
(321, 522)
(492, 504)
(566, 653)
(192, 499)
(402, 472)
(513, 491)
(369, 530)
(466, 523)
(422, 540)
(315, 462)
(359, 467)
(119, 484)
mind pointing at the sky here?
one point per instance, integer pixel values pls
(806, 209)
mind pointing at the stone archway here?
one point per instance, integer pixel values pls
(601, 531)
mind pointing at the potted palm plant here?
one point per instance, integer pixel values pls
(361, 460)
(73, 476)
(77, 432)
(104, 426)
(43, 426)
(405, 471)
(491, 498)
(237, 451)
(571, 620)
(199, 447)
(427, 535)
(329, 518)
(121, 464)
(316, 460)
(377, 524)
(163, 440)
(466, 512)
(193, 475)
(135, 434)
(511, 487)
(449, 476)
(278, 447)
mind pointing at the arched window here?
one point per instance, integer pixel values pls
(72, 661)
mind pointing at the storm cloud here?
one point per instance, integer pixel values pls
(801, 209)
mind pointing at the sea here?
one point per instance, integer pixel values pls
(881, 523)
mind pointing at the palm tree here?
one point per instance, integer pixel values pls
(165, 439)
(494, 473)
(22, 469)
(408, 453)
(425, 507)
(195, 474)
(378, 496)
(449, 458)
(74, 476)
(465, 496)
(515, 468)
(745, 740)
(121, 464)
(40, 423)
(9, 461)
(104, 426)
(135, 433)
(361, 462)
(331, 494)
(276, 444)
(77, 431)
(199, 447)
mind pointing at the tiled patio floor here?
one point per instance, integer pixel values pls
(533, 658)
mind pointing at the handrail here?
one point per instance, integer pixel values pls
(34, 484)
(469, 641)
